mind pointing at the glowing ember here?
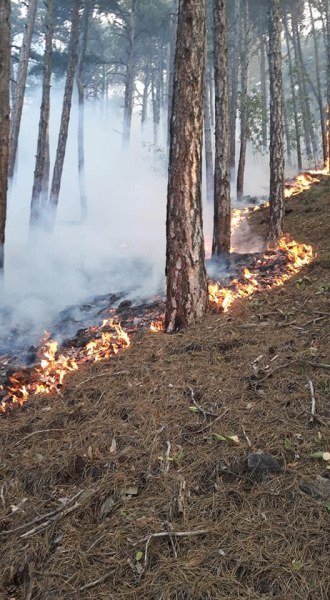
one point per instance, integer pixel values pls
(296, 255)
(156, 326)
(48, 377)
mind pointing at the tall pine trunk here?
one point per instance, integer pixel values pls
(41, 173)
(328, 83)
(245, 60)
(65, 118)
(302, 90)
(130, 76)
(4, 119)
(235, 61)
(81, 109)
(293, 96)
(174, 26)
(222, 207)
(18, 101)
(209, 170)
(187, 294)
(263, 87)
(318, 84)
(276, 194)
(145, 96)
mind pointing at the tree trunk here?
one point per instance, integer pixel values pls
(65, 118)
(174, 25)
(222, 207)
(17, 108)
(209, 171)
(81, 109)
(293, 95)
(187, 294)
(287, 132)
(130, 77)
(328, 84)
(41, 173)
(263, 89)
(144, 111)
(234, 87)
(302, 91)
(245, 59)
(4, 119)
(156, 100)
(276, 195)
(318, 82)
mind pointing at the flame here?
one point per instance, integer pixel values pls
(296, 256)
(48, 377)
(110, 338)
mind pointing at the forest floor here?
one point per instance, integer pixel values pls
(130, 450)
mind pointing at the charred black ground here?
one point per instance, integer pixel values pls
(142, 444)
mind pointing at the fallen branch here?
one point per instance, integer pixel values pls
(171, 535)
(212, 422)
(49, 515)
(93, 584)
(313, 408)
(200, 409)
(292, 362)
(167, 457)
(316, 365)
(45, 524)
(35, 433)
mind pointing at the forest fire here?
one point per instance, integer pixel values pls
(267, 271)
(270, 271)
(47, 378)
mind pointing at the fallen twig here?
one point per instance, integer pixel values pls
(49, 515)
(169, 534)
(35, 433)
(167, 457)
(316, 365)
(313, 408)
(246, 437)
(292, 362)
(103, 374)
(93, 584)
(45, 524)
(200, 409)
(212, 422)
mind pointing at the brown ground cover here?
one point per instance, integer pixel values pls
(140, 445)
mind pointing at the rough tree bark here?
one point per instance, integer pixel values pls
(88, 7)
(209, 171)
(245, 60)
(263, 86)
(187, 294)
(130, 76)
(318, 84)
(41, 173)
(293, 96)
(17, 108)
(328, 83)
(222, 207)
(174, 25)
(65, 117)
(234, 87)
(276, 195)
(4, 118)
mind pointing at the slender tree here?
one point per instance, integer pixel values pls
(41, 173)
(328, 82)
(235, 63)
(18, 100)
(4, 118)
(276, 196)
(88, 7)
(209, 170)
(222, 207)
(245, 61)
(65, 118)
(293, 96)
(130, 74)
(187, 295)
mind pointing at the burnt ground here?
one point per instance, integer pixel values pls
(140, 445)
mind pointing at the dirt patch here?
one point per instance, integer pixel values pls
(145, 443)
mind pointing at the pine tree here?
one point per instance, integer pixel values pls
(4, 118)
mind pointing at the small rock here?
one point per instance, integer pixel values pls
(263, 464)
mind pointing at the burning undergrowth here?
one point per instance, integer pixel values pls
(112, 321)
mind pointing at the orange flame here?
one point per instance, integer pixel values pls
(49, 375)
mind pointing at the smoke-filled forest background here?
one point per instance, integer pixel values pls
(104, 229)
